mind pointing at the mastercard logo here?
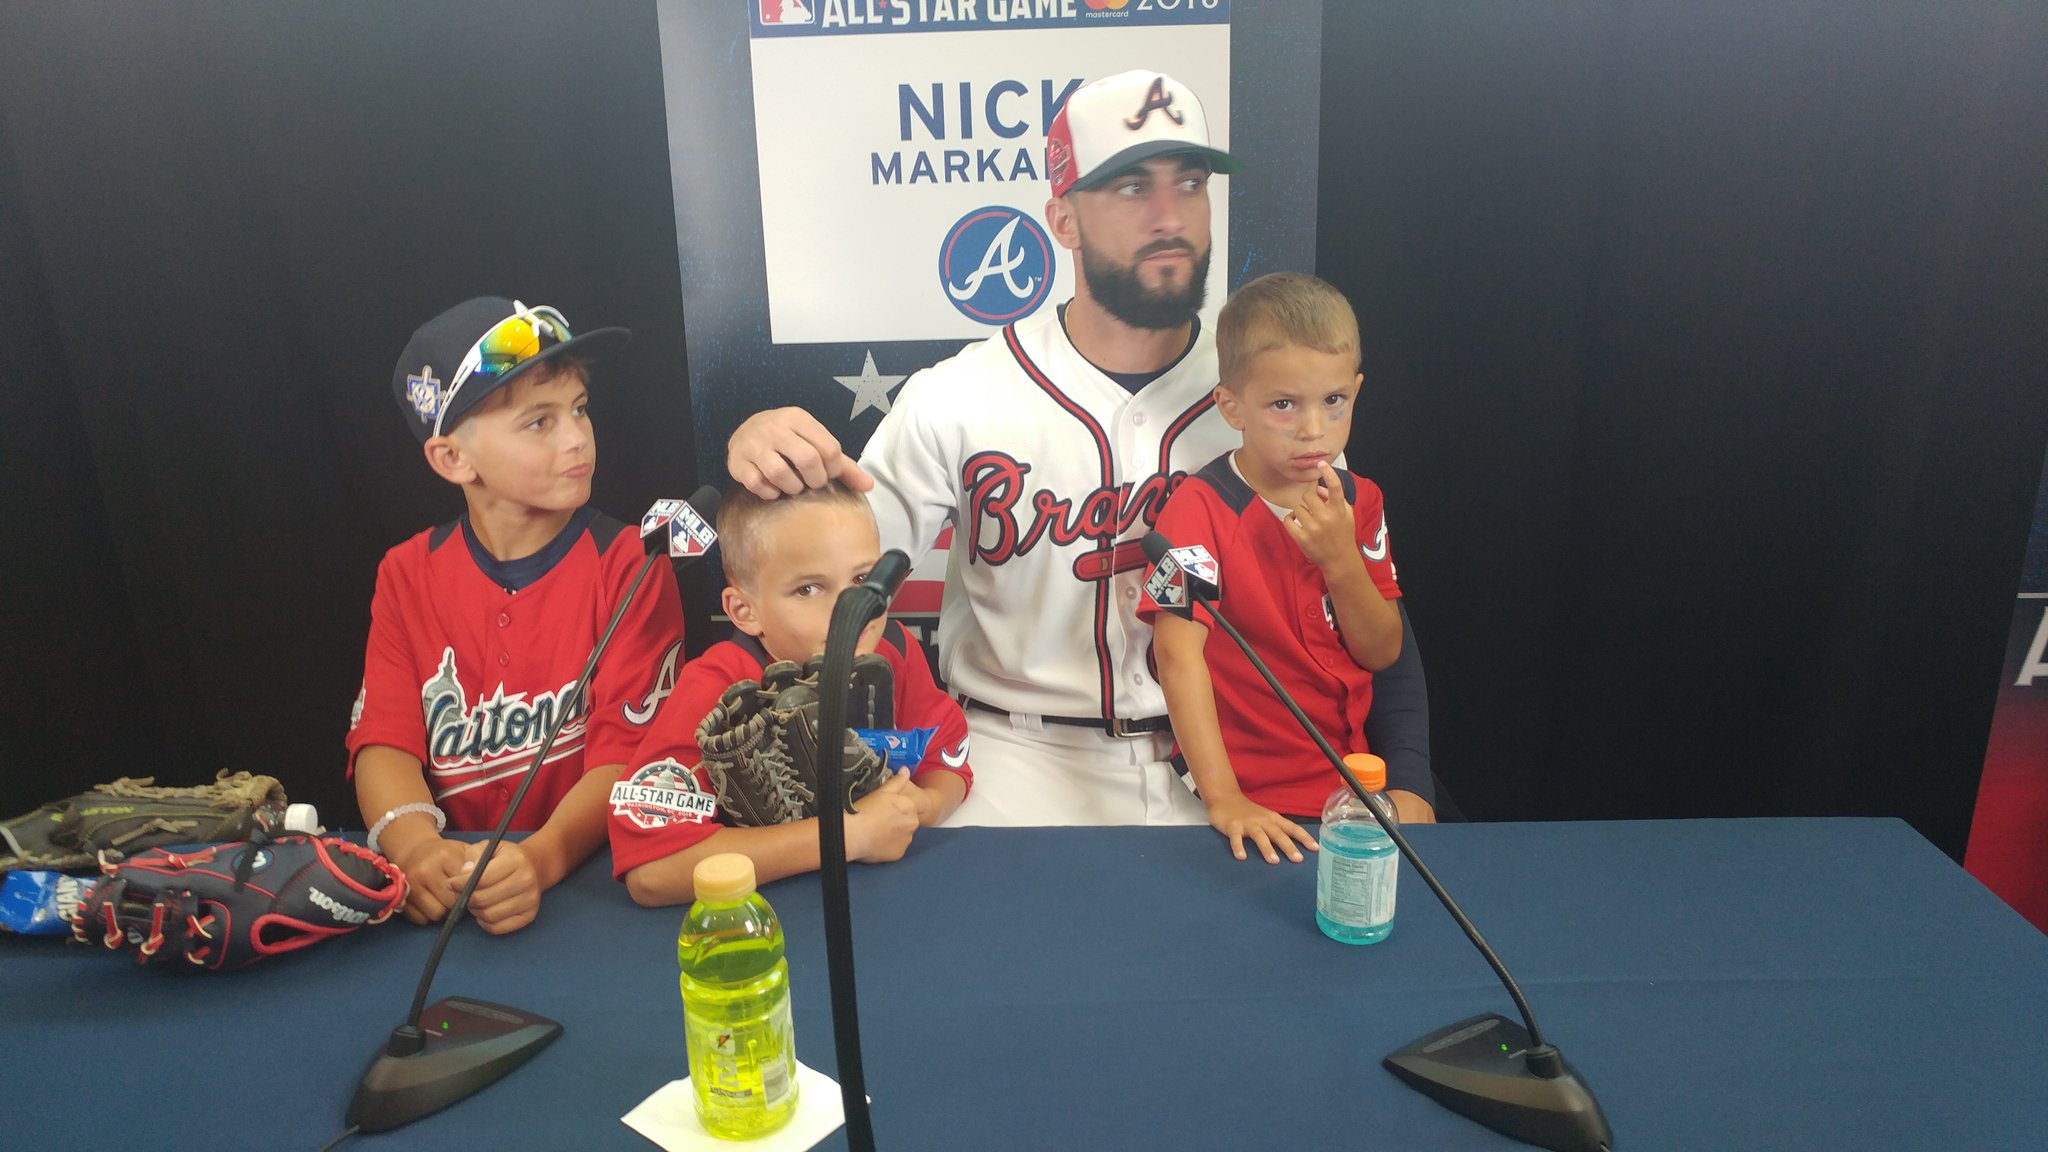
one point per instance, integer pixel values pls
(1099, 5)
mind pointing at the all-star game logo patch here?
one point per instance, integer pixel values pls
(423, 392)
(661, 794)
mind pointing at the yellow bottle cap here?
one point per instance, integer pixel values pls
(1370, 770)
(726, 876)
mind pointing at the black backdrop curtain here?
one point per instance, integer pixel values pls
(231, 217)
(1705, 372)
(1705, 367)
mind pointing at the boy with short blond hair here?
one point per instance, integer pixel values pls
(1306, 575)
(480, 626)
(786, 562)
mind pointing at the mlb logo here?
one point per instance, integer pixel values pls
(1164, 585)
(785, 12)
(688, 534)
(662, 514)
(1198, 563)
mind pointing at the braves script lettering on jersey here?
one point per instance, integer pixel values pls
(1053, 473)
(467, 676)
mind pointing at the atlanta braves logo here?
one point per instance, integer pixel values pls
(1012, 274)
(1157, 99)
(994, 483)
(664, 683)
(1376, 548)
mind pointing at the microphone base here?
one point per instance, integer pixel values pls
(1481, 1069)
(460, 1047)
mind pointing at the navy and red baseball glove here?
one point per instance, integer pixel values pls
(230, 905)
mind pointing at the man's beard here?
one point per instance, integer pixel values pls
(1117, 288)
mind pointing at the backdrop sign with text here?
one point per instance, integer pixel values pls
(902, 162)
(2008, 847)
(860, 186)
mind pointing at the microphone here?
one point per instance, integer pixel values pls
(852, 612)
(886, 578)
(470, 1044)
(1486, 1068)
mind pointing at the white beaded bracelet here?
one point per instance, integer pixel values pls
(440, 820)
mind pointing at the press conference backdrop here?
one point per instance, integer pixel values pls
(1704, 358)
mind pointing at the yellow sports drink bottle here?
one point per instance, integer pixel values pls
(736, 1003)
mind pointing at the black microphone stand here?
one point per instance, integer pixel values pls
(1487, 1068)
(471, 1044)
(855, 609)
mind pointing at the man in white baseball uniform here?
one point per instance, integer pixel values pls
(1052, 447)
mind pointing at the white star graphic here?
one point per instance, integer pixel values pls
(870, 389)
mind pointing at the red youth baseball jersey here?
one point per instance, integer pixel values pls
(1276, 597)
(467, 674)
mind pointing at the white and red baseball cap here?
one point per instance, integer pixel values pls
(1119, 121)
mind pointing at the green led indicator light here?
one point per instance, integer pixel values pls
(444, 1028)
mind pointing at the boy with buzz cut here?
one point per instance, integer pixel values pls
(480, 626)
(1304, 574)
(786, 562)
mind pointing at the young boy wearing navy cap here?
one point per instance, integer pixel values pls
(480, 626)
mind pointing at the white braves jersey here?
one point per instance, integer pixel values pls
(1051, 473)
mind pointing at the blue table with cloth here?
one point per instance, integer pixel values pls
(1746, 984)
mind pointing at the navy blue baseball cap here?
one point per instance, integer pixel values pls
(477, 347)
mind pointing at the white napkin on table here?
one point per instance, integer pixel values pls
(669, 1118)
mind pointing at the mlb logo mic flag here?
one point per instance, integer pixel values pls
(1168, 588)
(688, 534)
(1198, 569)
(1180, 576)
(660, 516)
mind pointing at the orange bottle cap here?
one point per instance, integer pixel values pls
(1370, 770)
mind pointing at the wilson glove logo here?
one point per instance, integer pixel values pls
(335, 908)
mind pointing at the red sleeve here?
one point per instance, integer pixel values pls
(639, 668)
(387, 709)
(920, 704)
(664, 803)
(1369, 512)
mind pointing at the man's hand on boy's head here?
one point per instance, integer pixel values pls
(1239, 819)
(508, 897)
(1322, 525)
(883, 821)
(783, 451)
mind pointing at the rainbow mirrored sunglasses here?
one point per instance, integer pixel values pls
(511, 342)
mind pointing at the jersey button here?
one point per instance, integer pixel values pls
(504, 618)
(504, 658)
(1138, 419)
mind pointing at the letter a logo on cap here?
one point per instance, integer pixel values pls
(1157, 99)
